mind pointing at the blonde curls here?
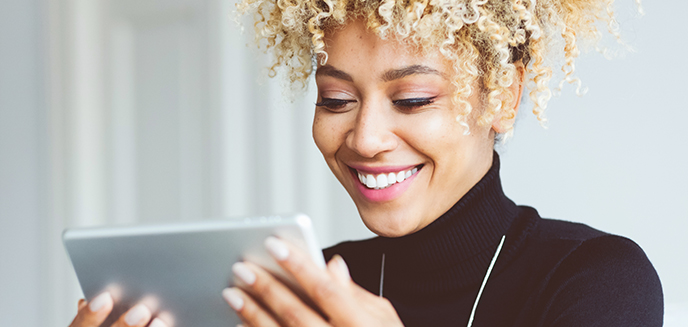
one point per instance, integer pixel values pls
(483, 39)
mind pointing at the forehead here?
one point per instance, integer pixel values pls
(354, 47)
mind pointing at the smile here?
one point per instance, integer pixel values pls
(385, 180)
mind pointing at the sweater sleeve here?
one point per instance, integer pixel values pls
(607, 281)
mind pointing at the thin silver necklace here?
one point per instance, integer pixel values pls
(482, 286)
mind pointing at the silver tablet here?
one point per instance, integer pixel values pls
(179, 270)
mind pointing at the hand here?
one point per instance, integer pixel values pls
(262, 300)
(94, 313)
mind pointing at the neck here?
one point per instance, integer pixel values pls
(463, 239)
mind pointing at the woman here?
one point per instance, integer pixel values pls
(411, 97)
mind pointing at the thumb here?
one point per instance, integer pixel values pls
(92, 314)
(338, 268)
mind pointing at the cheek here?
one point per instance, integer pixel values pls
(434, 136)
(326, 135)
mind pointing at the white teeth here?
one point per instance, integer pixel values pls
(370, 181)
(385, 180)
(391, 178)
(382, 181)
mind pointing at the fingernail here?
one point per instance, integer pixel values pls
(277, 248)
(233, 297)
(100, 302)
(244, 273)
(137, 314)
(342, 267)
(157, 323)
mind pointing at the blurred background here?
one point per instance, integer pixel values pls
(126, 111)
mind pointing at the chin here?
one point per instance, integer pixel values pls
(389, 226)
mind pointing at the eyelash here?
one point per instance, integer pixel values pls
(333, 104)
(411, 103)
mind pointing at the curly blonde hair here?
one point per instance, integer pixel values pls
(483, 39)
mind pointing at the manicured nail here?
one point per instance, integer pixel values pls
(244, 273)
(137, 315)
(233, 297)
(100, 302)
(157, 323)
(342, 268)
(277, 248)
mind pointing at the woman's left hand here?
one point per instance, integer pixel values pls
(262, 300)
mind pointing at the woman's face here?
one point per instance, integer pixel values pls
(387, 128)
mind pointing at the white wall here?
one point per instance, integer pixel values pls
(140, 111)
(125, 111)
(616, 158)
(22, 168)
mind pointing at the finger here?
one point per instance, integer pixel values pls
(287, 307)
(338, 268)
(81, 304)
(335, 300)
(376, 306)
(94, 313)
(157, 323)
(340, 271)
(249, 311)
(138, 316)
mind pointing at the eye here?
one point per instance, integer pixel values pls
(333, 104)
(412, 103)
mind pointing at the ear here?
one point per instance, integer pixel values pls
(499, 124)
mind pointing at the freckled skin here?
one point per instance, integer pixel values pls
(371, 130)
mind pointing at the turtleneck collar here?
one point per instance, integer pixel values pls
(454, 251)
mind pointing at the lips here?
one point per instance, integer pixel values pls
(383, 184)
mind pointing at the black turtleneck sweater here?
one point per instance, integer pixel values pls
(549, 272)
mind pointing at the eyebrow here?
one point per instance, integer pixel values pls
(394, 74)
(390, 75)
(328, 70)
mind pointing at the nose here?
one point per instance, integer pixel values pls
(372, 133)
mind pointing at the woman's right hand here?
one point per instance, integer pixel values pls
(92, 314)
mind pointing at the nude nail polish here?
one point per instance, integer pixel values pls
(277, 248)
(244, 273)
(342, 267)
(157, 323)
(233, 298)
(100, 301)
(137, 315)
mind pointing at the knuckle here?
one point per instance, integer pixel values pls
(119, 323)
(297, 266)
(385, 302)
(291, 317)
(249, 312)
(265, 289)
(325, 290)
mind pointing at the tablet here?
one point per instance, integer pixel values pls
(179, 270)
